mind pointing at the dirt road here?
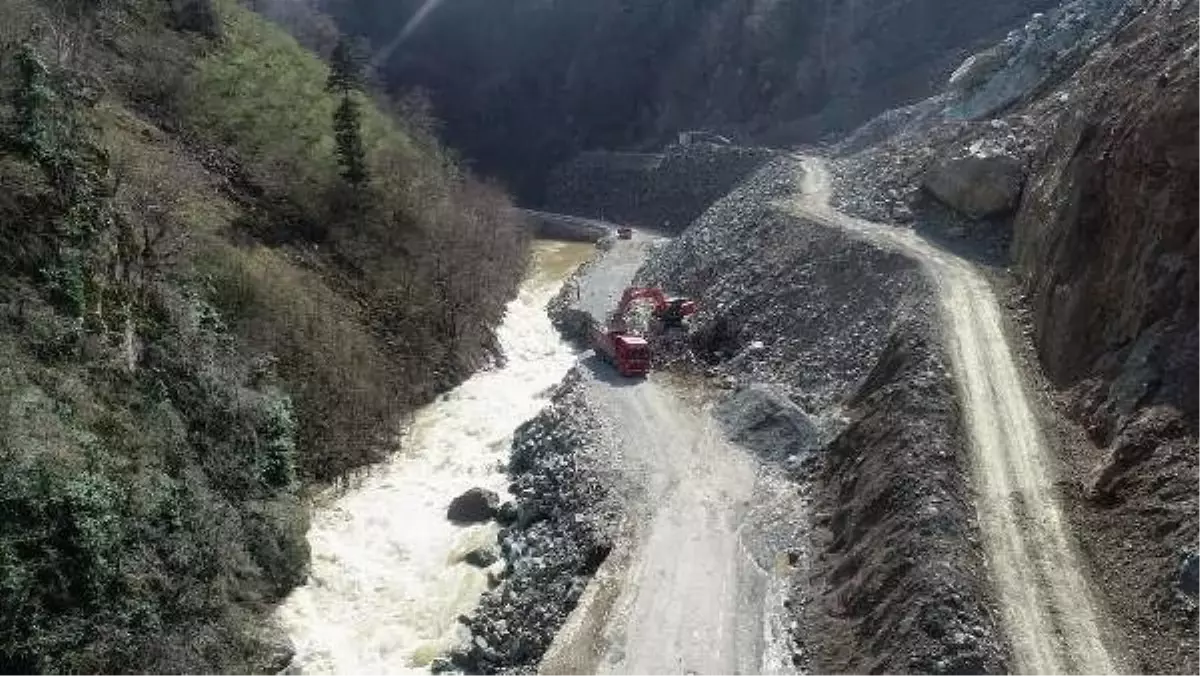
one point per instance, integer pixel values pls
(1049, 613)
(687, 589)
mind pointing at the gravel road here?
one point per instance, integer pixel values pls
(1049, 613)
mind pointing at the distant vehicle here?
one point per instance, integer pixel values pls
(625, 232)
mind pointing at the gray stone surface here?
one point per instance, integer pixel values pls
(473, 506)
(977, 184)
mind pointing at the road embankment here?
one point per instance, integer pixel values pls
(847, 331)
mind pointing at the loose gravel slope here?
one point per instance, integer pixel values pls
(1048, 609)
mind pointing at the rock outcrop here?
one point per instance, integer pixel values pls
(1048, 47)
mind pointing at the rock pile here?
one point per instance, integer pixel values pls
(562, 531)
(897, 540)
(848, 391)
(780, 300)
(765, 420)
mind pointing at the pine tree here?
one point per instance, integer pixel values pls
(345, 67)
(345, 78)
(352, 156)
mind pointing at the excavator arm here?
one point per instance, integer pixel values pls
(670, 310)
(636, 292)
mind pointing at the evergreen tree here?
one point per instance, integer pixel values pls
(352, 156)
(345, 67)
(345, 77)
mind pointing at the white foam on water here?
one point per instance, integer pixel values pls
(386, 583)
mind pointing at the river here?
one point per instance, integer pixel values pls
(386, 583)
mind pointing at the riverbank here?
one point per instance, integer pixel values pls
(388, 578)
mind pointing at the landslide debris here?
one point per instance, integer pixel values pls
(905, 579)
(783, 301)
(834, 341)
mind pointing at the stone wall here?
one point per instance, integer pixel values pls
(662, 192)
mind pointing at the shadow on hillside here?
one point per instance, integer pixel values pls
(983, 242)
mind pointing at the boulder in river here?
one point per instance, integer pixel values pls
(506, 514)
(977, 184)
(474, 506)
(482, 557)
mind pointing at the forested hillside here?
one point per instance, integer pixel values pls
(227, 273)
(524, 84)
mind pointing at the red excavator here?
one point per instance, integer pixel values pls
(630, 353)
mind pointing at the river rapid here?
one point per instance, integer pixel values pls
(387, 582)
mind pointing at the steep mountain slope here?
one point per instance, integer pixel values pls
(196, 325)
(1106, 243)
(522, 85)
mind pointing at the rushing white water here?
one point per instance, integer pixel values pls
(386, 583)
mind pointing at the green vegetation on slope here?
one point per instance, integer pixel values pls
(198, 318)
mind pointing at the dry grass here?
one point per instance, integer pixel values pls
(345, 386)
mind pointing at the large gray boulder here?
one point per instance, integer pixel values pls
(474, 506)
(977, 184)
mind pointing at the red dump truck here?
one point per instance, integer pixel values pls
(629, 354)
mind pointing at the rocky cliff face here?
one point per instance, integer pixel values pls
(796, 71)
(1097, 101)
(1106, 234)
(1106, 244)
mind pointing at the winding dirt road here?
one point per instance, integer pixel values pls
(1049, 613)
